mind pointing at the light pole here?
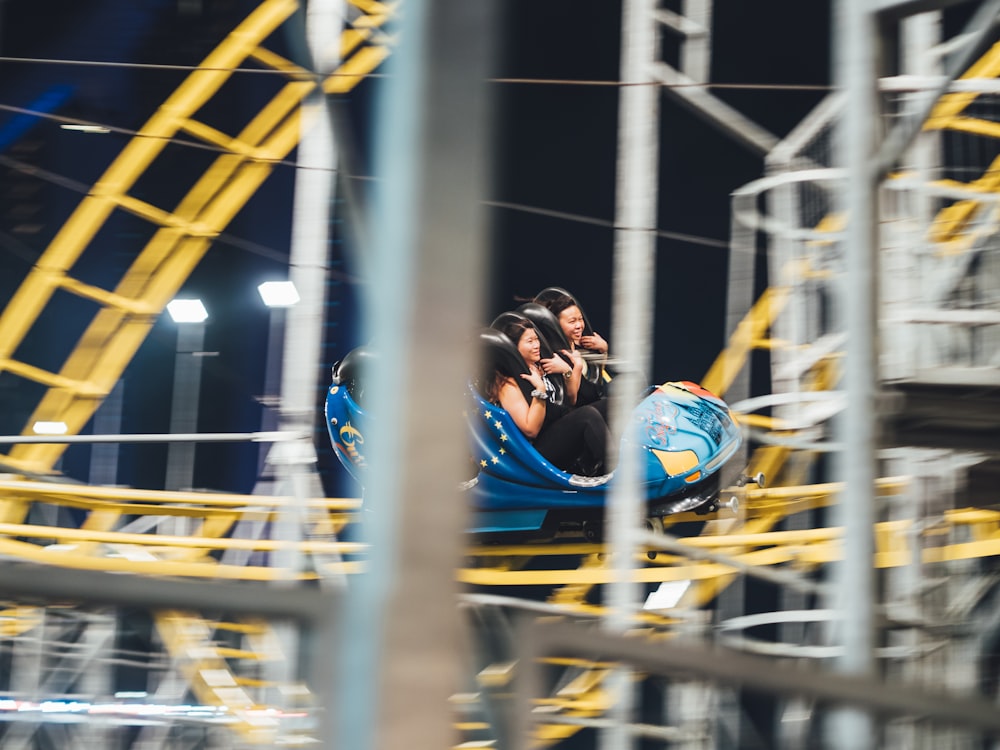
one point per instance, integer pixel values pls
(277, 295)
(190, 316)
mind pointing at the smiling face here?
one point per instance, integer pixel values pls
(571, 322)
(529, 346)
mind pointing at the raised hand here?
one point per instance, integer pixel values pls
(555, 365)
(595, 342)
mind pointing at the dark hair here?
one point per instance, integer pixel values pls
(555, 300)
(558, 299)
(513, 326)
(546, 323)
(499, 360)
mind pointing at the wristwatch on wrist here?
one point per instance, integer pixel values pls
(540, 395)
(568, 374)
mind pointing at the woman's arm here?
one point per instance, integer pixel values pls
(528, 416)
(574, 375)
(568, 365)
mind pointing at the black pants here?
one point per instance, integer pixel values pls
(577, 442)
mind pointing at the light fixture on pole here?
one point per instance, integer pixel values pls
(187, 311)
(278, 293)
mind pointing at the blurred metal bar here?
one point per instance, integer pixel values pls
(294, 462)
(728, 119)
(399, 655)
(634, 274)
(978, 29)
(184, 404)
(903, 8)
(28, 583)
(138, 437)
(687, 658)
(856, 50)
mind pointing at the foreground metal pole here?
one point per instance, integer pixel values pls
(635, 270)
(184, 404)
(295, 461)
(399, 661)
(855, 66)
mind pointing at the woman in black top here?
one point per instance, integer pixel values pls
(584, 342)
(572, 439)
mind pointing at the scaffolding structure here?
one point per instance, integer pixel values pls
(897, 649)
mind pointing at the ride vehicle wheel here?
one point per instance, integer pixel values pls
(653, 524)
(593, 531)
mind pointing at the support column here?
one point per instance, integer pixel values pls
(400, 656)
(634, 276)
(856, 38)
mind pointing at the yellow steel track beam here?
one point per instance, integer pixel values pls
(185, 234)
(74, 236)
(165, 543)
(125, 316)
(751, 329)
(209, 569)
(810, 547)
(204, 665)
(53, 492)
(950, 105)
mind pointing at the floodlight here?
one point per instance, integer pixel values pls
(187, 310)
(49, 428)
(278, 293)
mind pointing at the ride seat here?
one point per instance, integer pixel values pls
(558, 383)
(351, 372)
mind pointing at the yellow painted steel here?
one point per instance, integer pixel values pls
(950, 105)
(812, 547)
(751, 540)
(15, 621)
(185, 233)
(122, 321)
(948, 229)
(53, 492)
(155, 567)
(752, 328)
(163, 543)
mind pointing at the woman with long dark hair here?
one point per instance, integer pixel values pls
(585, 344)
(572, 439)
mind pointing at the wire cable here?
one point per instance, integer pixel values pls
(239, 243)
(169, 139)
(504, 80)
(607, 224)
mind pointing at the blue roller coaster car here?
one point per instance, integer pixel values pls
(687, 437)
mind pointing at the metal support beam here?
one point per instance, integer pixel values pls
(978, 29)
(898, 9)
(28, 583)
(856, 50)
(685, 658)
(634, 273)
(399, 659)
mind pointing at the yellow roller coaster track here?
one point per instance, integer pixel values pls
(184, 233)
(749, 540)
(121, 321)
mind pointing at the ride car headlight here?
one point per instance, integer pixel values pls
(675, 463)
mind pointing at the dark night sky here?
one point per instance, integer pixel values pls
(554, 149)
(557, 146)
